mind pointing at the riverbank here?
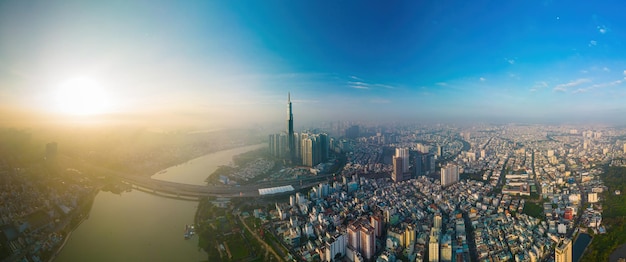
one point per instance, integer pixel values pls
(618, 253)
(73, 226)
(613, 217)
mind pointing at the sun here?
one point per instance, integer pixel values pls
(81, 96)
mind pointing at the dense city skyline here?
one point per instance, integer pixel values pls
(536, 62)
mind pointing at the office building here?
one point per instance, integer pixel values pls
(397, 174)
(418, 168)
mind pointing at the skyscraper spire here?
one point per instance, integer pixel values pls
(291, 147)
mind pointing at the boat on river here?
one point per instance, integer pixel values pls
(190, 230)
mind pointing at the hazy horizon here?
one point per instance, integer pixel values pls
(225, 63)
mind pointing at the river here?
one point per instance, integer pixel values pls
(137, 226)
(619, 252)
(197, 170)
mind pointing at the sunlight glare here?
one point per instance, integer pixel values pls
(81, 96)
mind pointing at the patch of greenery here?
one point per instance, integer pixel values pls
(238, 247)
(613, 217)
(533, 210)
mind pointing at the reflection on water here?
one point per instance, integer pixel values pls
(134, 226)
(138, 226)
(197, 170)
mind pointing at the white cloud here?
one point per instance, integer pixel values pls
(596, 86)
(482, 79)
(593, 43)
(602, 29)
(441, 83)
(624, 72)
(359, 87)
(365, 85)
(564, 87)
(355, 78)
(510, 60)
(606, 69)
(384, 86)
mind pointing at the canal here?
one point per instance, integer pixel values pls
(137, 226)
(581, 243)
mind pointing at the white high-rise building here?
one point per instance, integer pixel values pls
(404, 154)
(449, 175)
(401, 165)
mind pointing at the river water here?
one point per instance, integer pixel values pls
(197, 170)
(137, 226)
(620, 252)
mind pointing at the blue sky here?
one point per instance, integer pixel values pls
(361, 60)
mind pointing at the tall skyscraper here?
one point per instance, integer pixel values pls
(404, 154)
(397, 174)
(291, 144)
(401, 165)
(563, 251)
(419, 166)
